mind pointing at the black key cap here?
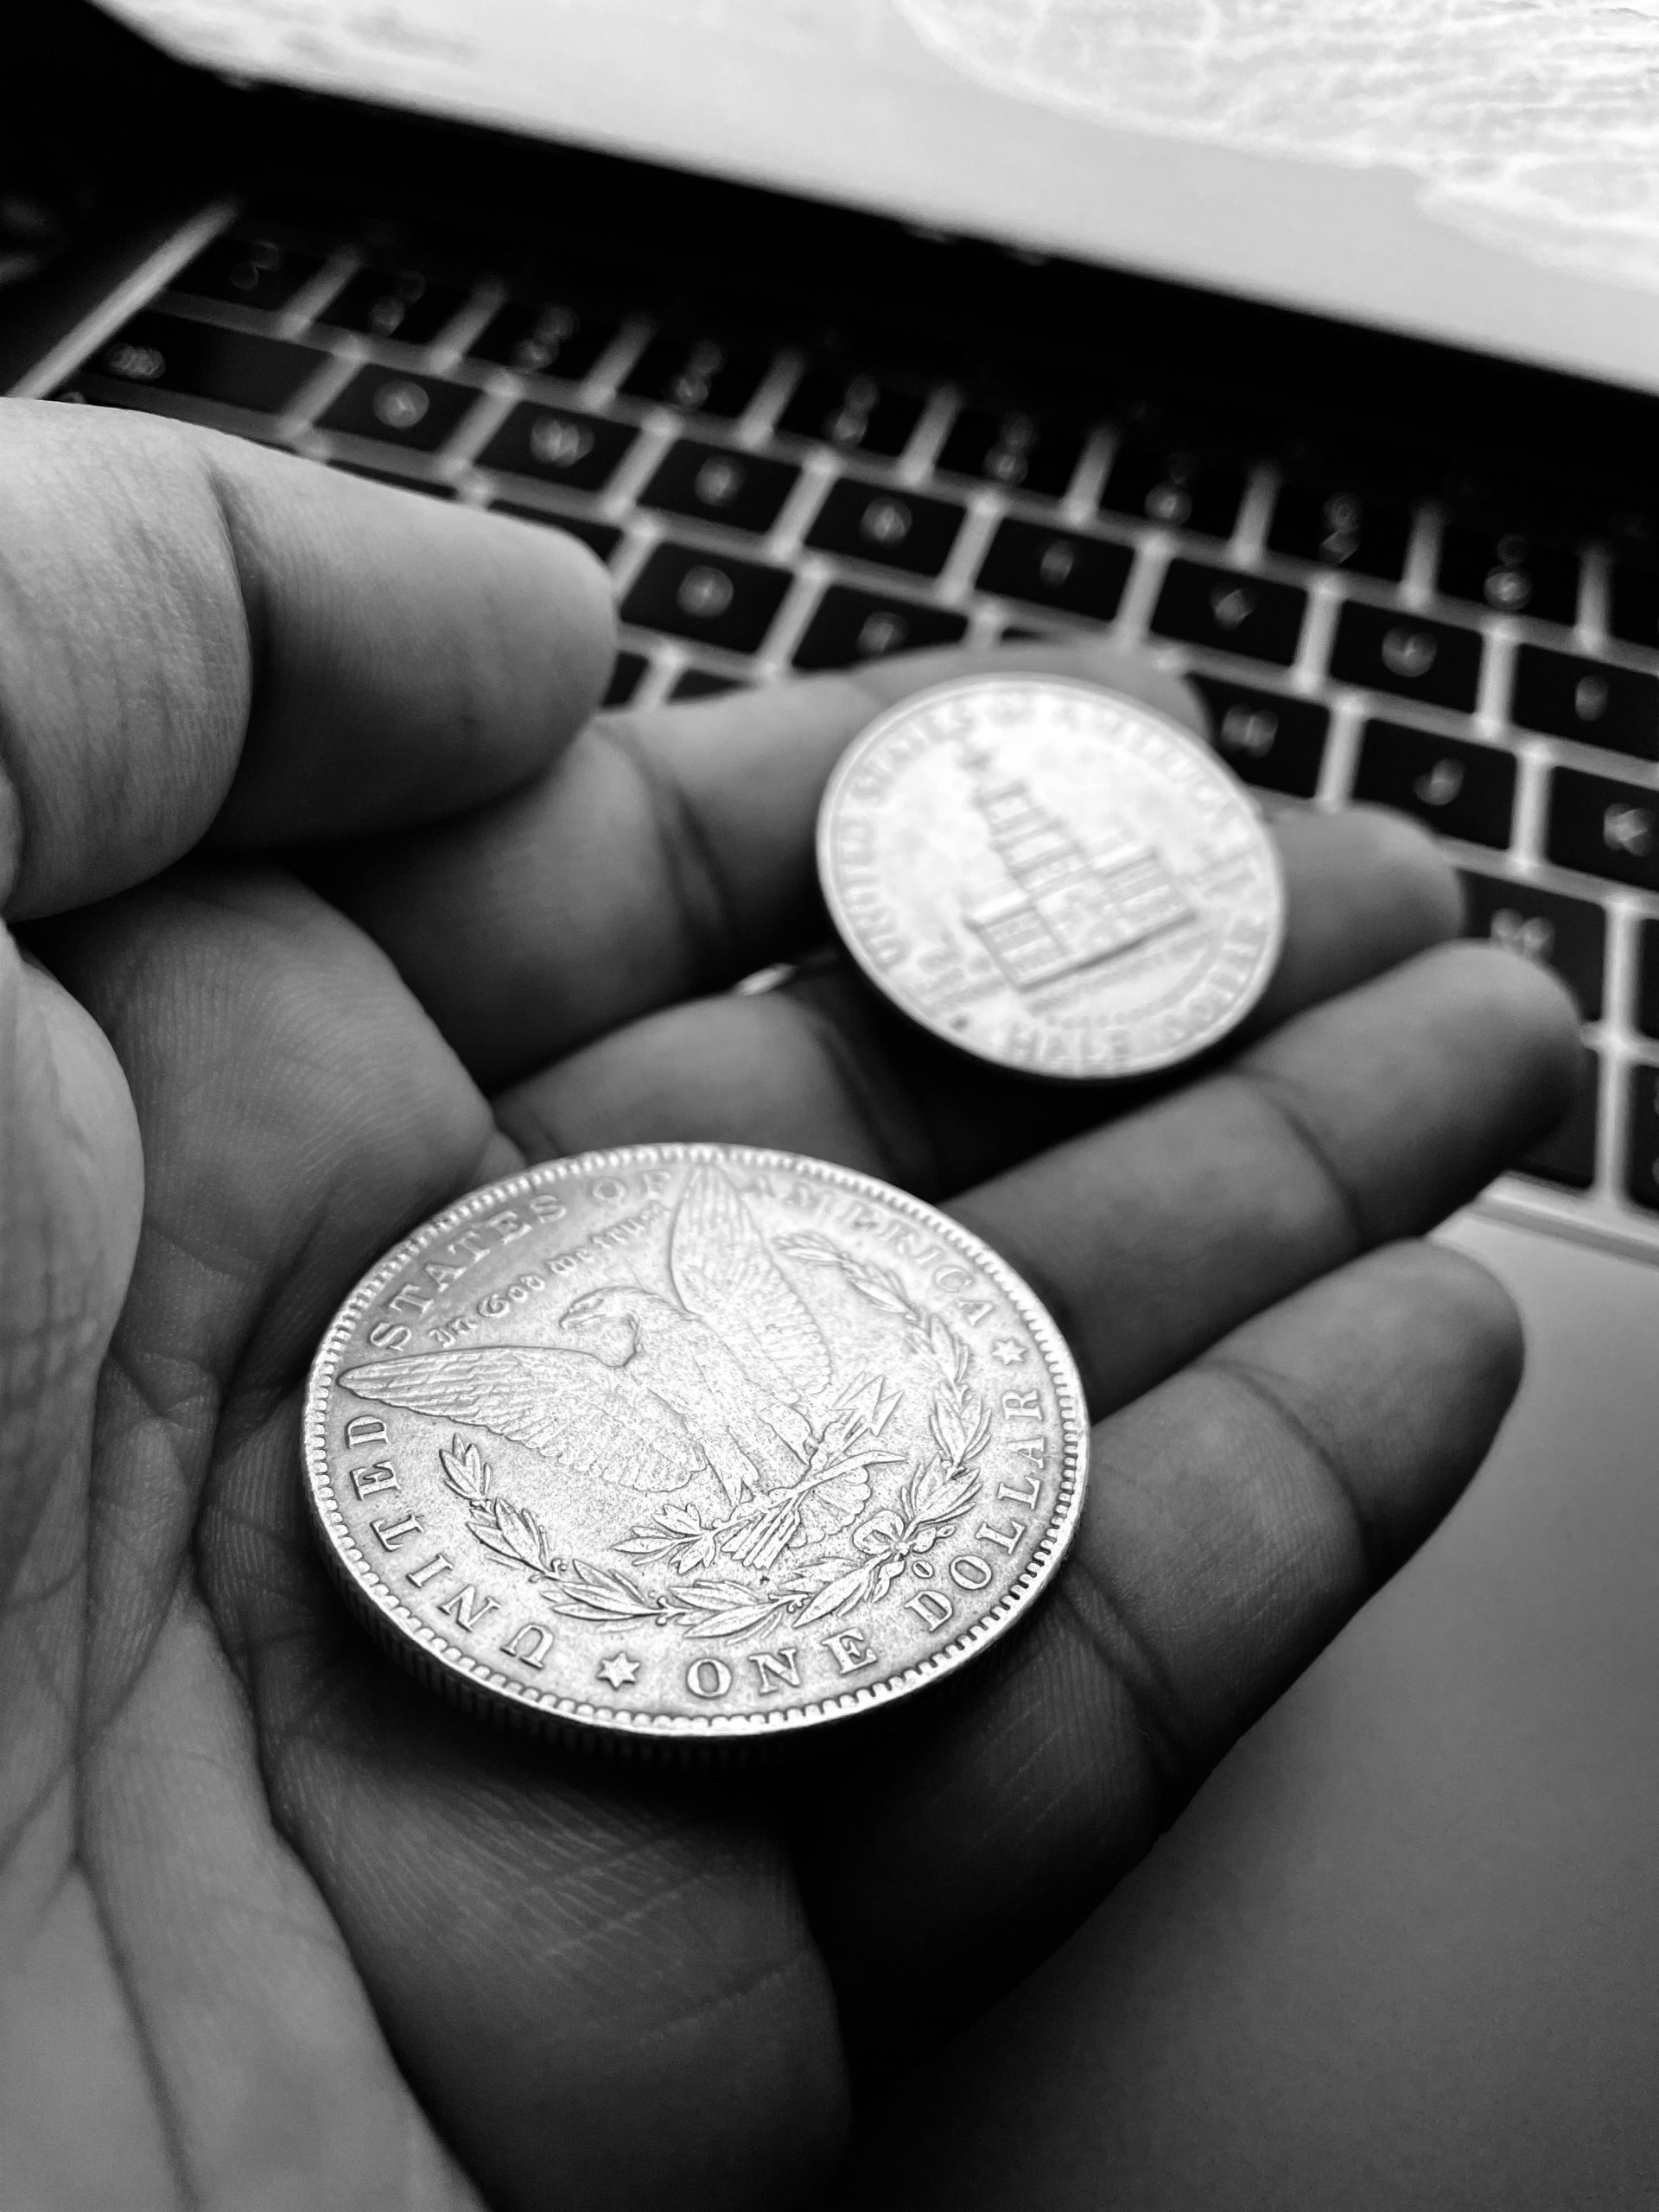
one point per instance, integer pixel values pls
(1461, 790)
(1567, 1156)
(1341, 529)
(1168, 486)
(857, 413)
(850, 627)
(77, 392)
(1633, 609)
(543, 338)
(557, 445)
(1569, 935)
(704, 683)
(1436, 662)
(163, 352)
(627, 674)
(1642, 1149)
(708, 597)
(896, 529)
(417, 413)
(1647, 980)
(1014, 450)
(1058, 570)
(700, 376)
(1275, 742)
(743, 491)
(249, 270)
(390, 476)
(1232, 613)
(601, 538)
(1513, 573)
(1604, 828)
(1585, 699)
(91, 392)
(401, 303)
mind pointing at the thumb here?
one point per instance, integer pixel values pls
(71, 1199)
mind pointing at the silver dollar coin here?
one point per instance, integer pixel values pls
(692, 1441)
(1053, 877)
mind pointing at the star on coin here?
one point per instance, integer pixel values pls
(1008, 1351)
(618, 1670)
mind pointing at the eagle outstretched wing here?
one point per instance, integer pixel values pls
(575, 1411)
(725, 1275)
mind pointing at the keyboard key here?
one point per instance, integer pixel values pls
(1567, 1156)
(163, 352)
(708, 597)
(248, 271)
(1341, 529)
(1603, 828)
(741, 491)
(1512, 573)
(390, 476)
(543, 338)
(1633, 609)
(420, 413)
(1642, 1148)
(1058, 570)
(1014, 450)
(557, 445)
(1269, 740)
(700, 376)
(401, 303)
(1230, 612)
(1437, 663)
(1569, 935)
(601, 538)
(627, 674)
(856, 413)
(850, 627)
(1585, 699)
(1173, 488)
(704, 683)
(897, 530)
(1462, 790)
(1647, 980)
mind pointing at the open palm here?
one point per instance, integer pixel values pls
(276, 1927)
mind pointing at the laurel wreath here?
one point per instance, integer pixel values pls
(830, 1493)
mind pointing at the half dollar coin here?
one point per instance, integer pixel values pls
(1050, 876)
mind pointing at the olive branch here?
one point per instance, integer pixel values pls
(935, 1497)
(580, 1591)
(833, 1487)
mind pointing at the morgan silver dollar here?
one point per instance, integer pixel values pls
(691, 1441)
(1052, 877)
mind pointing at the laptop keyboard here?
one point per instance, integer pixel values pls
(763, 511)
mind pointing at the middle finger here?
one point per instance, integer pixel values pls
(666, 852)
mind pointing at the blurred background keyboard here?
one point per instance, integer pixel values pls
(1476, 655)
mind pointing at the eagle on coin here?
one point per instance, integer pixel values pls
(712, 1377)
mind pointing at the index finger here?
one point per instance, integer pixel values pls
(197, 634)
(667, 855)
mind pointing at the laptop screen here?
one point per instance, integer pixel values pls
(1485, 171)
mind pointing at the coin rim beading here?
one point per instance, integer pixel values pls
(450, 1669)
(1097, 695)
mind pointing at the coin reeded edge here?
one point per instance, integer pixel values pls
(866, 742)
(447, 1668)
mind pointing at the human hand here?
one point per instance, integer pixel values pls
(301, 808)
